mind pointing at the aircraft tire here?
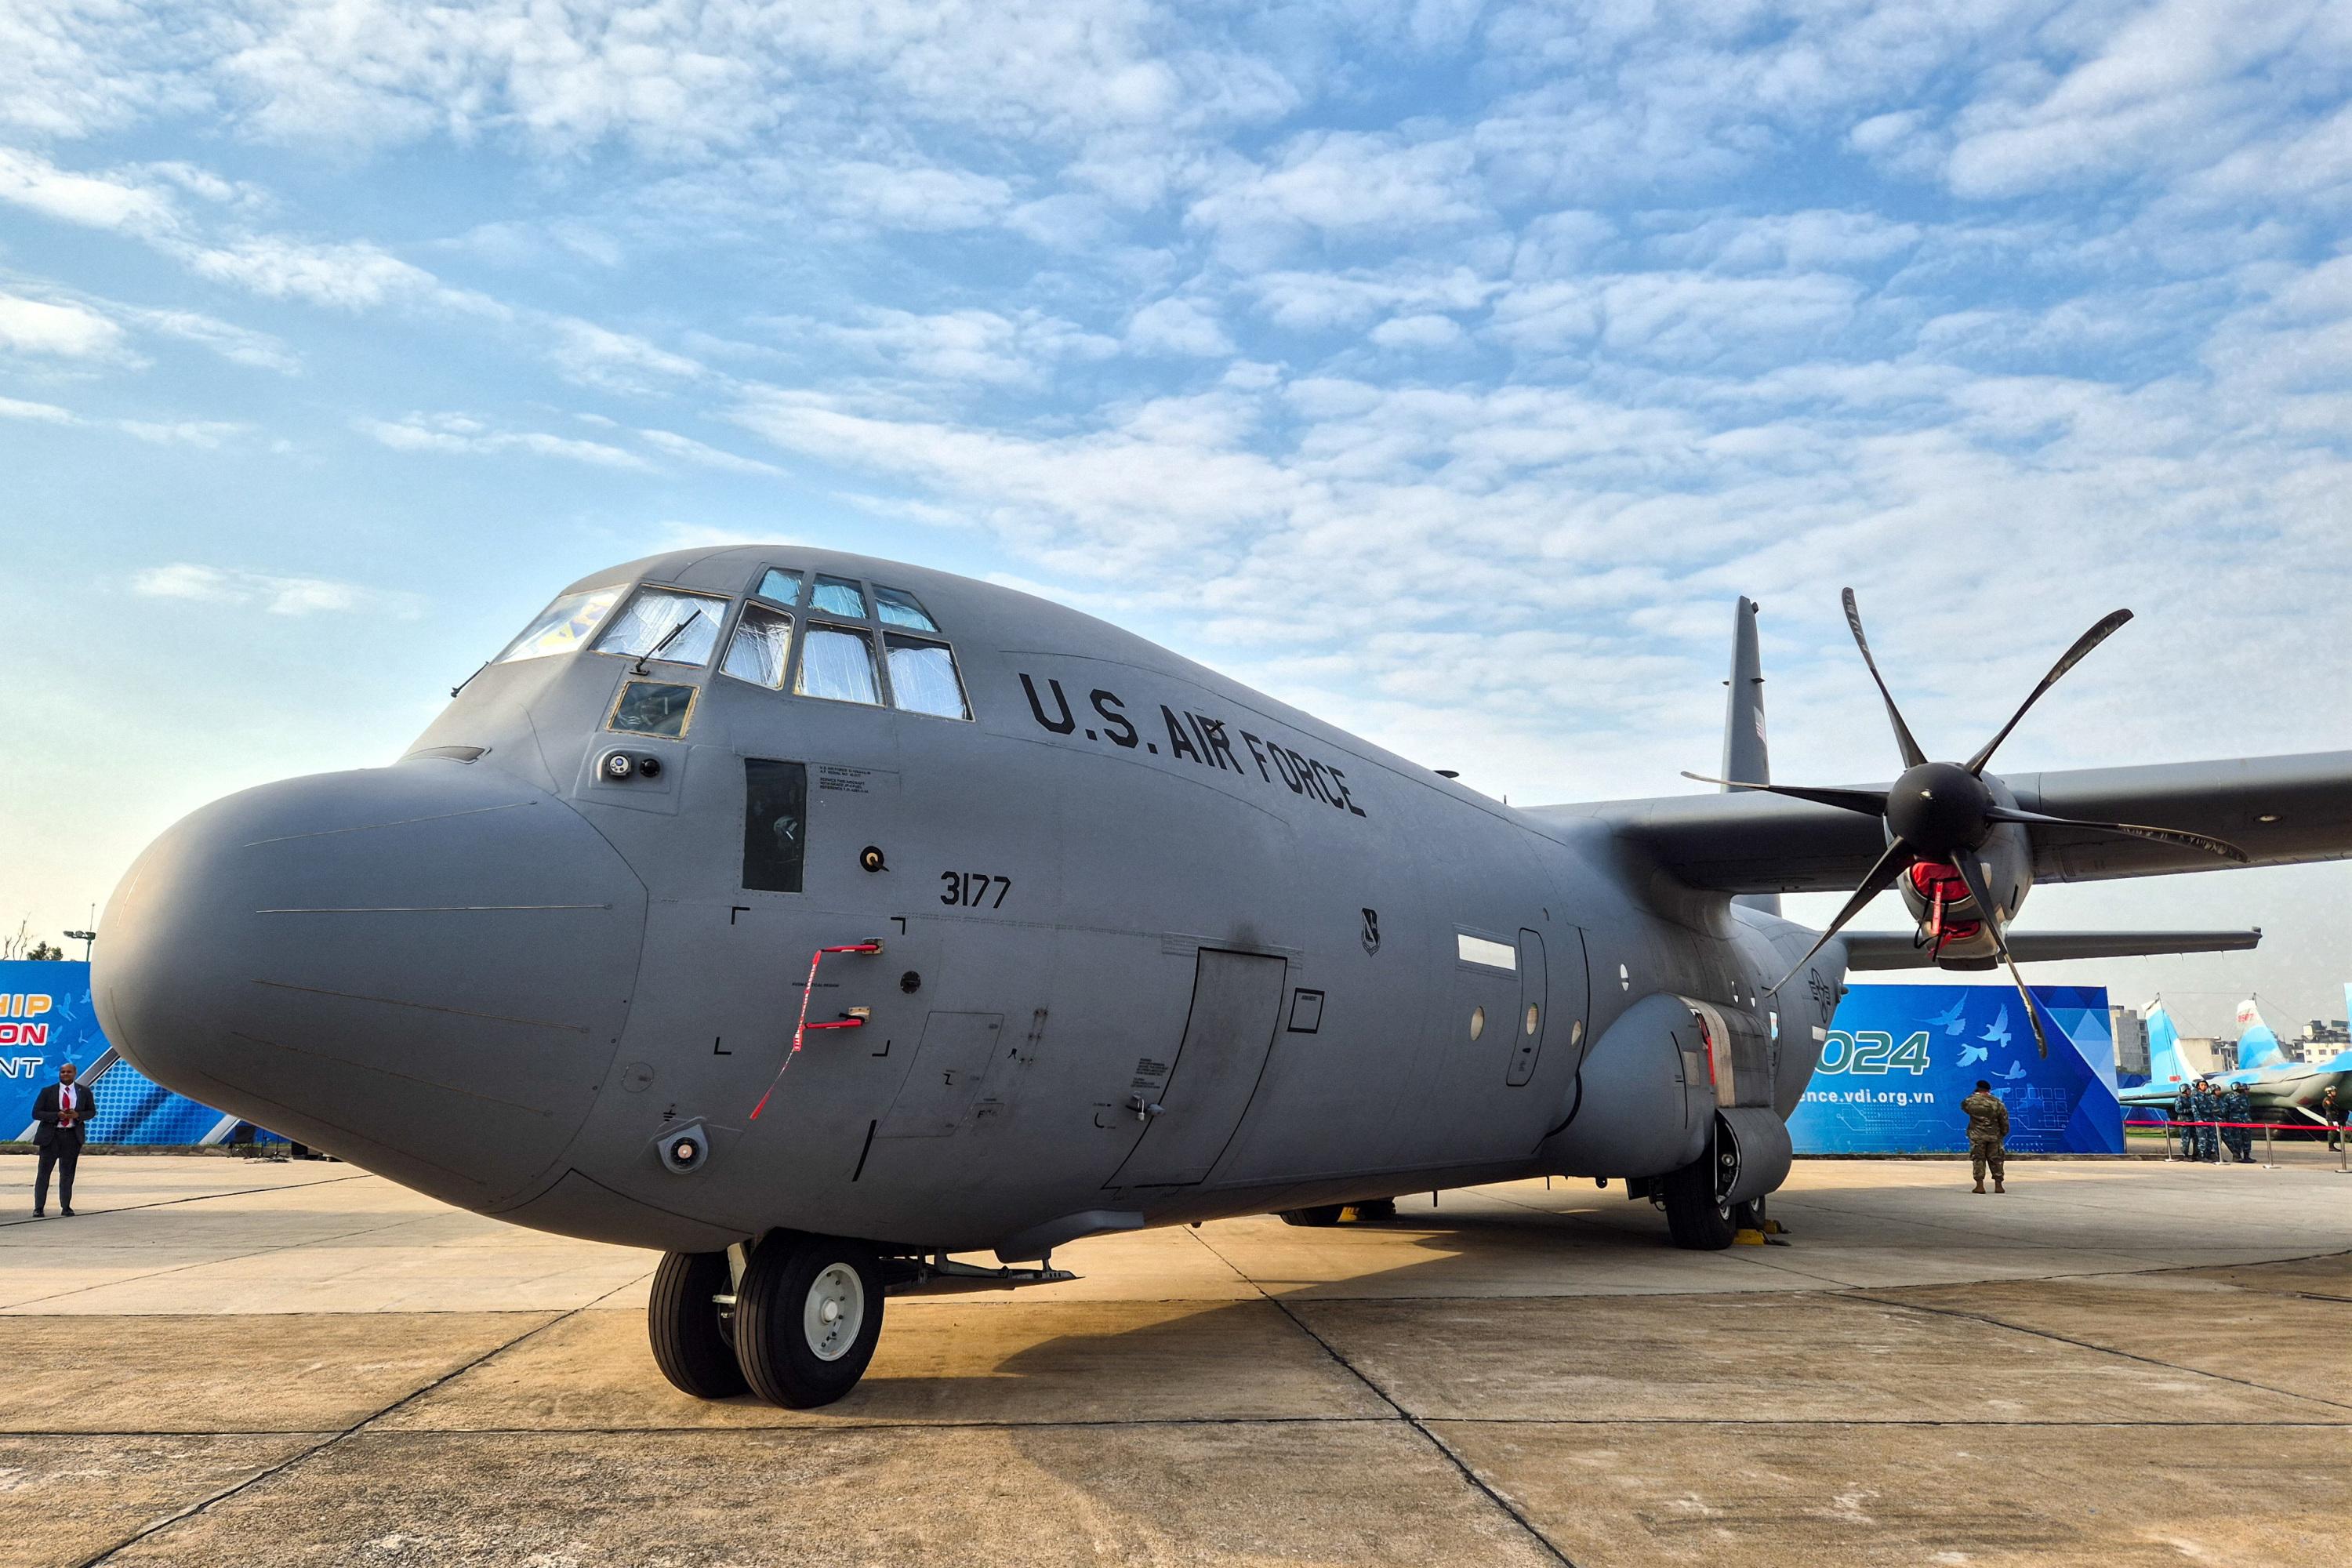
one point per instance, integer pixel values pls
(684, 1323)
(1317, 1218)
(1696, 1220)
(808, 1311)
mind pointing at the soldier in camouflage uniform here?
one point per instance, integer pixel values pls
(2238, 1106)
(1988, 1134)
(2181, 1117)
(2204, 1106)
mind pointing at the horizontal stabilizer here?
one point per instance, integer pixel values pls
(1901, 948)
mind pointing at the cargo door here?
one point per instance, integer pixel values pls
(1205, 1086)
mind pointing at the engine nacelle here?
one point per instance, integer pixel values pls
(1949, 922)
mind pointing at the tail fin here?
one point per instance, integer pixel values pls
(2165, 1062)
(1746, 756)
(2258, 1045)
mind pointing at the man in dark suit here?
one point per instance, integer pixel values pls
(62, 1109)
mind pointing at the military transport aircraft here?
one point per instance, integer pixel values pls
(812, 918)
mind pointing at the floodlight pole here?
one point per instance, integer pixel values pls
(83, 937)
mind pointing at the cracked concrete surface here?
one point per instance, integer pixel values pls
(2119, 1362)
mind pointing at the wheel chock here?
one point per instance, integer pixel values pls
(1774, 1227)
(1747, 1238)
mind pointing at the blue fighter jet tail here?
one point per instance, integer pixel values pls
(2165, 1064)
(2258, 1046)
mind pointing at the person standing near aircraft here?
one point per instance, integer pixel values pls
(2203, 1107)
(2183, 1115)
(2238, 1106)
(60, 1110)
(2331, 1112)
(1988, 1134)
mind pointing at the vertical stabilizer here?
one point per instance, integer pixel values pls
(2165, 1062)
(2258, 1045)
(1745, 754)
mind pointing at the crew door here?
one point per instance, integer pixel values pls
(1203, 1089)
(1550, 1005)
(1527, 1028)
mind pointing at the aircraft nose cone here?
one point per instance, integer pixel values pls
(423, 968)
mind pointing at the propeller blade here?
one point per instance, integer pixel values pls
(1874, 881)
(1912, 755)
(1869, 802)
(2221, 846)
(2066, 661)
(1971, 871)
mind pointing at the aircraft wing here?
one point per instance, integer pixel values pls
(1902, 949)
(2279, 810)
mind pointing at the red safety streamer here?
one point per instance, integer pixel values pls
(803, 1026)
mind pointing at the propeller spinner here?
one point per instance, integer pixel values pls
(1941, 814)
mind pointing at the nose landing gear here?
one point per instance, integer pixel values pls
(797, 1329)
(690, 1320)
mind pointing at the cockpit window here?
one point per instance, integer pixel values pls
(783, 586)
(563, 625)
(665, 625)
(652, 708)
(837, 663)
(901, 608)
(923, 678)
(758, 650)
(839, 596)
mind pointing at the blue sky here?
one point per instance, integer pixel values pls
(1444, 368)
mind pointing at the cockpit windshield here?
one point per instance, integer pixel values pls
(563, 625)
(664, 623)
(901, 608)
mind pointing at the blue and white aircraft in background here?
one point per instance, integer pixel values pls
(2280, 1089)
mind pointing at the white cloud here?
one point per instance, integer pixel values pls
(64, 331)
(1317, 301)
(1178, 326)
(909, 196)
(92, 201)
(1418, 333)
(239, 345)
(688, 449)
(2172, 86)
(1675, 317)
(617, 361)
(1340, 183)
(459, 434)
(273, 594)
(350, 277)
(205, 433)
(40, 413)
(983, 347)
(1799, 241)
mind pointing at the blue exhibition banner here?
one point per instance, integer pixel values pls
(47, 1019)
(1900, 1059)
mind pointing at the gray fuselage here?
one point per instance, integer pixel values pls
(1154, 946)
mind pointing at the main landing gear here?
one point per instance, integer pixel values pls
(1699, 1217)
(796, 1329)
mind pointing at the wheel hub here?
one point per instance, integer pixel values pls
(834, 1312)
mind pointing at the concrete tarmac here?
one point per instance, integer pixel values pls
(2118, 1363)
